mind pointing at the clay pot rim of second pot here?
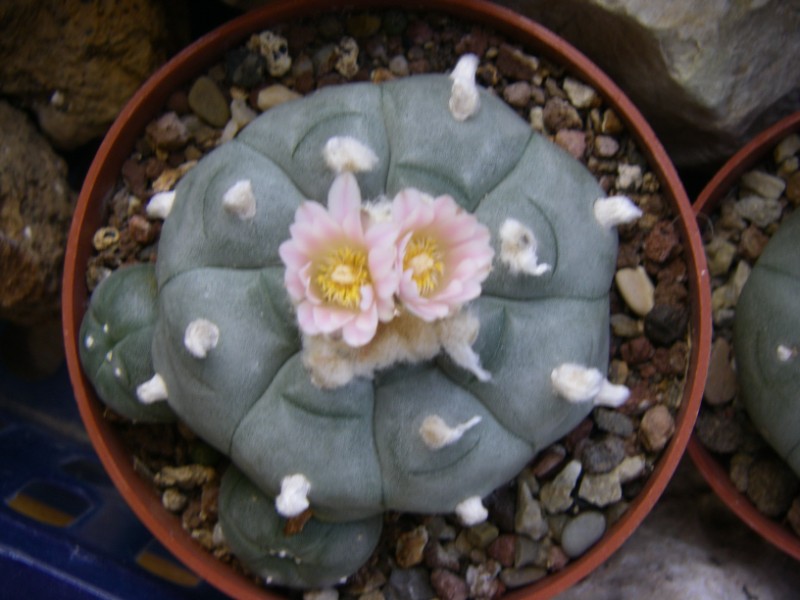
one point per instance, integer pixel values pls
(198, 56)
(746, 158)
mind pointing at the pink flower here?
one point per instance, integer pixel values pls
(340, 268)
(444, 254)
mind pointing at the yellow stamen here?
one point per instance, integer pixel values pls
(340, 276)
(425, 260)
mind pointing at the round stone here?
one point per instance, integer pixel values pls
(582, 532)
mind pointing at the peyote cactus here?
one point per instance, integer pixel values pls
(767, 342)
(409, 353)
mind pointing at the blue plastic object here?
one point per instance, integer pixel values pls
(65, 532)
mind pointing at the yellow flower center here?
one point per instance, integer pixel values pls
(425, 260)
(340, 276)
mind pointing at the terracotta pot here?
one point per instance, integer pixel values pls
(193, 61)
(714, 471)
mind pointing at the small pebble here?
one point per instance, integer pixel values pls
(409, 584)
(529, 519)
(786, 148)
(625, 326)
(661, 242)
(556, 495)
(482, 580)
(719, 254)
(573, 141)
(514, 578)
(752, 243)
(637, 351)
(274, 95)
(514, 64)
(448, 585)
(666, 323)
(656, 428)
(636, 289)
(759, 211)
(605, 146)
(719, 432)
(208, 102)
(721, 379)
(739, 470)
(168, 132)
(582, 532)
(398, 65)
(793, 188)
(579, 94)
(559, 114)
(629, 177)
(771, 486)
(763, 184)
(503, 549)
(410, 547)
(601, 456)
(613, 421)
(518, 93)
(611, 123)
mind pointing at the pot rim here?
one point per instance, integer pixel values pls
(750, 155)
(198, 56)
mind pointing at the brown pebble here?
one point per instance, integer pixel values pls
(141, 230)
(605, 146)
(548, 460)
(503, 549)
(772, 486)
(637, 351)
(475, 42)
(411, 547)
(514, 64)
(559, 114)
(752, 243)
(449, 586)
(721, 379)
(661, 242)
(573, 141)
(656, 428)
(517, 94)
(611, 123)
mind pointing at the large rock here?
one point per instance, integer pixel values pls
(35, 210)
(707, 75)
(76, 63)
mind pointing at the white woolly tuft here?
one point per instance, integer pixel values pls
(616, 210)
(239, 200)
(346, 154)
(612, 395)
(785, 354)
(160, 205)
(457, 336)
(437, 434)
(576, 383)
(293, 498)
(152, 390)
(464, 98)
(201, 336)
(471, 511)
(518, 248)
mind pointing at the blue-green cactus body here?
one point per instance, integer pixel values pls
(767, 342)
(359, 445)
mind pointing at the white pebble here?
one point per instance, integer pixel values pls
(763, 184)
(629, 177)
(160, 205)
(471, 511)
(201, 336)
(636, 289)
(580, 95)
